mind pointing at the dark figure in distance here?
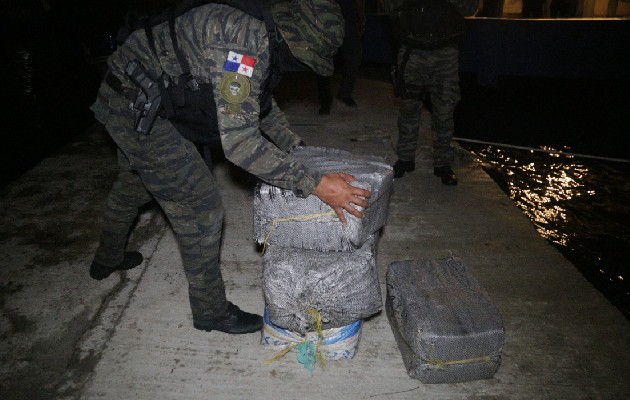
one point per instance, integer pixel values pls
(429, 32)
(350, 53)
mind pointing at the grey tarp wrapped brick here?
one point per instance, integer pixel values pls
(342, 285)
(283, 219)
(447, 328)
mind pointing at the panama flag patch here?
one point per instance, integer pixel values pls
(239, 63)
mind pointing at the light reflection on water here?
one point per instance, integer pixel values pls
(25, 68)
(580, 205)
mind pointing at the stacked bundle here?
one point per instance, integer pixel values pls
(319, 276)
(285, 220)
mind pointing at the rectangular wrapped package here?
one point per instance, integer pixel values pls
(343, 286)
(446, 327)
(283, 219)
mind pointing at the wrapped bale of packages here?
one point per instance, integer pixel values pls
(283, 219)
(343, 286)
(333, 343)
(447, 328)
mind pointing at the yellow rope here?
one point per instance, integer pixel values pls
(281, 353)
(442, 364)
(321, 360)
(276, 221)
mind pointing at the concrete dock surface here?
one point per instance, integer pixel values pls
(66, 336)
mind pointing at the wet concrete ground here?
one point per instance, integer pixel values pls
(66, 336)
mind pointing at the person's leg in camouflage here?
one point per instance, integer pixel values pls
(351, 54)
(408, 131)
(189, 196)
(414, 76)
(172, 170)
(445, 94)
(124, 199)
(191, 201)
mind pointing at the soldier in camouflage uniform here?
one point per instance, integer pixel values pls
(164, 166)
(430, 72)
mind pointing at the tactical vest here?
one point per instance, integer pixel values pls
(427, 24)
(186, 103)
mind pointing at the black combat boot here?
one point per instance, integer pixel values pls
(403, 166)
(446, 174)
(347, 100)
(234, 320)
(324, 109)
(99, 271)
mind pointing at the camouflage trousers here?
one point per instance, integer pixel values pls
(433, 73)
(168, 168)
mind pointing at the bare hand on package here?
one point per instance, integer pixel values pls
(336, 191)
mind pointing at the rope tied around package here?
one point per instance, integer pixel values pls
(442, 364)
(309, 354)
(276, 221)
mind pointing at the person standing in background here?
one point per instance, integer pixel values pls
(350, 52)
(427, 64)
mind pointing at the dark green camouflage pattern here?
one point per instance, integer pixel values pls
(313, 29)
(433, 73)
(206, 34)
(168, 168)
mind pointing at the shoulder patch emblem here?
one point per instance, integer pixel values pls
(234, 89)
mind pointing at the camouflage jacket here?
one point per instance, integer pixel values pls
(207, 35)
(465, 7)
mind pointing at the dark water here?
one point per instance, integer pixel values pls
(564, 159)
(581, 203)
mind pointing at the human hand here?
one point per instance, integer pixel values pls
(335, 190)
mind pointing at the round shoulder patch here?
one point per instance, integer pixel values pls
(235, 87)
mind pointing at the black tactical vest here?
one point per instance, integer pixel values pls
(190, 105)
(427, 24)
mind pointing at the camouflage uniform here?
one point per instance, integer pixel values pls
(165, 166)
(434, 73)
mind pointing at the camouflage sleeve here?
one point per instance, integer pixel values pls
(276, 127)
(226, 33)
(245, 146)
(465, 7)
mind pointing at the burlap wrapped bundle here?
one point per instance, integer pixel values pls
(342, 286)
(447, 328)
(283, 219)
